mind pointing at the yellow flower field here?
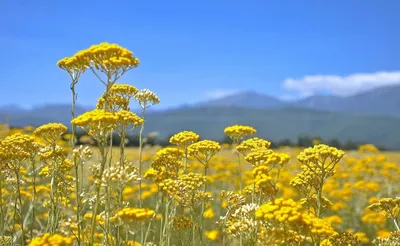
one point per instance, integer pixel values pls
(193, 192)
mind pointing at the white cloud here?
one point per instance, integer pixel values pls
(219, 93)
(342, 85)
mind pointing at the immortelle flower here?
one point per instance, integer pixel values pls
(321, 159)
(204, 150)
(51, 131)
(238, 132)
(119, 97)
(18, 147)
(263, 156)
(125, 119)
(135, 214)
(184, 139)
(74, 66)
(55, 239)
(288, 214)
(110, 59)
(98, 123)
(168, 159)
(252, 144)
(147, 98)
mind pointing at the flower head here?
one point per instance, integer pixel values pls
(147, 98)
(204, 150)
(252, 144)
(184, 139)
(97, 122)
(51, 131)
(238, 132)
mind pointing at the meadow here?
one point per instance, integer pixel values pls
(193, 192)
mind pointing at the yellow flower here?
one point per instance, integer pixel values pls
(51, 131)
(209, 213)
(204, 150)
(184, 139)
(212, 235)
(238, 132)
(55, 239)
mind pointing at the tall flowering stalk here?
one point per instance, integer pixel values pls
(204, 150)
(100, 124)
(237, 133)
(112, 61)
(184, 139)
(75, 68)
(319, 163)
(51, 133)
(146, 99)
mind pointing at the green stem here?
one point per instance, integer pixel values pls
(33, 198)
(239, 172)
(20, 206)
(203, 206)
(73, 142)
(140, 169)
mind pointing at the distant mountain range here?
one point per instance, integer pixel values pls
(380, 101)
(372, 116)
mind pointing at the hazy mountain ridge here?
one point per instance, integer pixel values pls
(379, 101)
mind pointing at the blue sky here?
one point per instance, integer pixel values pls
(194, 50)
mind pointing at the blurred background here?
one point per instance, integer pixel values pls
(295, 70)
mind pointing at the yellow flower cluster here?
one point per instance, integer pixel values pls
(263, 156)
(124, 90)
(187, 189)
(263, 182)
(128, 118)
(182, 223)
(204, 150)
(135, 214)
(344, 238)
(288, 212)
(54, 240)
(118, 97)
(212, 235)
(51, 131)
(17, 147)
(252, 144)
(238, 132)
(73, 64)
(390, 207)
(168, 159)
(184, 139)
(105, 57)
(98, 122)
(367, 148)
(321, 158)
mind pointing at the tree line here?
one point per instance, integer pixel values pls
(302, 141)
